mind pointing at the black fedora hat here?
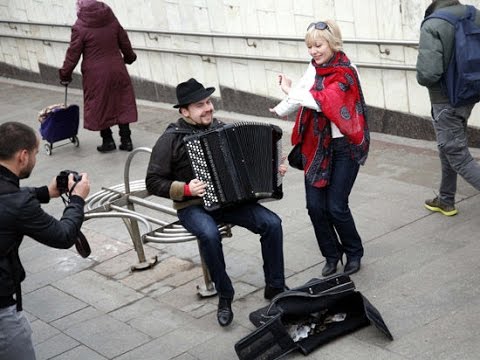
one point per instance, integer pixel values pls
(191, 91)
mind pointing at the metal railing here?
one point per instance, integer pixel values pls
(128, 201)
(250, 39)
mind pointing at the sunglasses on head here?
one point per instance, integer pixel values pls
(320, 25)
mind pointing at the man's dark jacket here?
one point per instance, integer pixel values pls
(169, 168)
(20, 215)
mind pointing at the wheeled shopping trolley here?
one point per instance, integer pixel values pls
(58, 123)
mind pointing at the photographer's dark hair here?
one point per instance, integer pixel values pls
(15, 136)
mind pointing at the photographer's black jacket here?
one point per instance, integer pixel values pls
(21, 214)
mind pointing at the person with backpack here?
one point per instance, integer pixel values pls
(21, 215)
(447, 74)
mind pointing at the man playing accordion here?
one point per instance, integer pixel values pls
(170, 175)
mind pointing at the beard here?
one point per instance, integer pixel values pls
(26, 172)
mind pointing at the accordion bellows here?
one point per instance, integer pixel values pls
(238, 162)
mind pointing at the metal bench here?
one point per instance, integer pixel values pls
(120, 201)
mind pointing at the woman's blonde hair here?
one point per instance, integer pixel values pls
(331, 34)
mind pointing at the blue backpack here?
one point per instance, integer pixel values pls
(461, 81)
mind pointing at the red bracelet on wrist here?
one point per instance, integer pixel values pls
(186, 190)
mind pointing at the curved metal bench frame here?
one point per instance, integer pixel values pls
(119, 202)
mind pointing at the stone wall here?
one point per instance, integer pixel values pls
(247, 83)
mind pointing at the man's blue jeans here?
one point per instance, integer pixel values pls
(254, 217)
(329, 211)
(450, 126)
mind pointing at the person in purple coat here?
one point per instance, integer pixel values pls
(108, 95)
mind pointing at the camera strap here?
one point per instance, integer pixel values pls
(71, 190)
(66, 199)
(81, 242)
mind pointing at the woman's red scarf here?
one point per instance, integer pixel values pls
(339, 96)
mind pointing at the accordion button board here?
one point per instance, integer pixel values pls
(200, 169)
(238, 162)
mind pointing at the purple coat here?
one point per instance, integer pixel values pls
(108, 96)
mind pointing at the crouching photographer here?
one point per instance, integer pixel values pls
(20, 215)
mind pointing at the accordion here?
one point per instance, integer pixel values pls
(238, 162)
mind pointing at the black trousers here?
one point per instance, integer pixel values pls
(123, 131)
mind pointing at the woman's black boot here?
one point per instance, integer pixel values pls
(330, 268)
(125, 140)
(108, 144)
(126, 145)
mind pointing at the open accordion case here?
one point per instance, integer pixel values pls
(306, 317)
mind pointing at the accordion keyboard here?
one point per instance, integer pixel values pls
(201, 170)
(238, 162)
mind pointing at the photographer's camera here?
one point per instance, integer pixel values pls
(62, 180)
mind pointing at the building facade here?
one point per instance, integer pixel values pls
(238, 46)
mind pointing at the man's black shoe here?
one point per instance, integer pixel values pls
(329, 268)
(270, 291)
(352, 267)
(224, 312)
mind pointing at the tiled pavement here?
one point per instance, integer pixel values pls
(420, 270)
